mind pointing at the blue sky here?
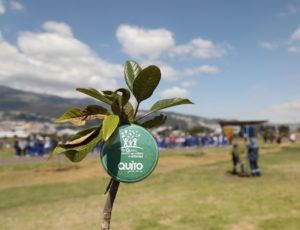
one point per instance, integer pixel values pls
(234, 59)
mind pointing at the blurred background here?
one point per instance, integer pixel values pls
(237, 61)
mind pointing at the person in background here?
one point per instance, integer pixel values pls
(17, 148)
(253, 151)
(23, 145)
(292, 137)
(235, 153)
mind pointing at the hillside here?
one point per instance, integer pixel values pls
(22, 105)
(35, 103)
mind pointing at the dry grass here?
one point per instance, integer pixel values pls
(188, 190)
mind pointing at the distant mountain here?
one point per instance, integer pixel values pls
(22, 105)
(35, 103)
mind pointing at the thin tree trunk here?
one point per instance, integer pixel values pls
(107, 211)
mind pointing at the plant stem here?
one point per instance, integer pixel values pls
(107, 211)
(136, 110)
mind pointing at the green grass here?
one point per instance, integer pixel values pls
(190, 196)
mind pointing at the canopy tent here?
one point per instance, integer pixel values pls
(247, 124)
(241, 123)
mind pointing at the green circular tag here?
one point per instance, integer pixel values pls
(130, 155)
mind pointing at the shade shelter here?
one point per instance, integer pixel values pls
(246, 125)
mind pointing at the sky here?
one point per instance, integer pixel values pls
(234, 59)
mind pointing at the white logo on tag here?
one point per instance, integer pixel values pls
(130, 166)
(130, 139)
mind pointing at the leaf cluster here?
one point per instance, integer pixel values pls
(141, 84)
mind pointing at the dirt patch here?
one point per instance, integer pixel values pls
(243, 226)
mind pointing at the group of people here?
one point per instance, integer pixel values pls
(188, 140)
(252, 156)
(33, 146)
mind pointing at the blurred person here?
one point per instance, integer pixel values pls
(292, 137)
(279, 139)
(253, 151)
(17, 147)
(172, 141)
(32, 147)
(40, 146)
(47, 145)
(160, 141)
(235, 153)
(23, 145)
(2, 143)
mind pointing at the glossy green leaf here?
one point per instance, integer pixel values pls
(166, 103)
(73, 115)
(146, 82)
(116, 106)
(131, 71)
(154, 122)
(79, 152)
(125, 95)
(120, 101)
(128, 113)
(82, 137)
(95, 94)
(83, 133)
(78, 116)
(111, 95)
(109, 125)
(96, 109)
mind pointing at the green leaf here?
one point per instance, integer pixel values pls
(166, 103)
(112, 96)
(83, 133)
(146, 82)
(82, 137)
(116, 106)
(79, 152)
(120, 101)
(78, 116)
(125, 95)
(96, 109)
(128, 113)
(95, 94)
(155, 122)
(76, 156)
(73, 115)
(110, 123)
(131, 71)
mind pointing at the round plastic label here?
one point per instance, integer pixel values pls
(130, 155)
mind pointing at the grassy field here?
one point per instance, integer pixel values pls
(190, 189)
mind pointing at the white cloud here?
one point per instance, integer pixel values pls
(285, 112)
(201, 49)
(171, 74)
(203, 69)
(152, 44)
(294, 45)
(296, 35)
(144, 43)
(188, 84)
(16, 6)
(294, 49)
(268, 45)
(2, 8)
(174, 92)
(291, 105)
(59, 28)
(167, 72)
(54, 62)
